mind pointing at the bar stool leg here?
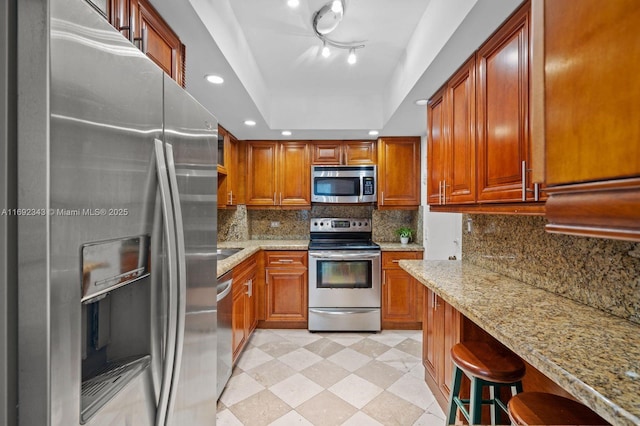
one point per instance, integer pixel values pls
(455, 391)
(475, 403)
(495, 414)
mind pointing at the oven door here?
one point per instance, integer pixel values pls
(344, 278)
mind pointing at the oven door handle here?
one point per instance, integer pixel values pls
(336, 312)
(343, 255)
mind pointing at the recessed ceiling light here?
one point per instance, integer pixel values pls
(215, 79)
(293, 3)
(352, 59)
(286, 133)
(422, 102)
(374, 132)
(249, 122)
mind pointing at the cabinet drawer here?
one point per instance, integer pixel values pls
(290, 259)
(390, 259)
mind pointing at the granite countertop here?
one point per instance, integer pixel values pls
(400, 247)
(591, 354)
(250, 247)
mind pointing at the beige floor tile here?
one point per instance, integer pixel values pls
(279, 348)
(251, 358)
(260, 409)
(379, 374)
(324, 347)
(414, 390)
(391, 410)
(411, 347)
(325, 373)
(370, 347)
(290, 419)
(270, 373)
(238, 388)
(300, 359)
(389, 337)
(356, 390)
(350, 359)
(326, 409)
(296, 389)
(226, 418)
(361, 419)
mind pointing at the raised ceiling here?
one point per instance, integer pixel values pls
(274, 74)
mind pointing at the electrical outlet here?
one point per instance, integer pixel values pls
(275, 224)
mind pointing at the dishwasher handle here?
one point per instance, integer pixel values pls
(226, 289)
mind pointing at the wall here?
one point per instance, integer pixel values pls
(243, 224)
(604, 274)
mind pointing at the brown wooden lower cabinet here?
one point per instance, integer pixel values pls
(243, 320)
(401, 293)
(285, 289)
(443, 326)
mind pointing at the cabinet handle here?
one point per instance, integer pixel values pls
(274, 198)
(382, 198)
(536, 186)
(230, 197)
(440, 192)
(444, 191)
(281, 198)
(285, 261)
(249, 285)
(395, 261)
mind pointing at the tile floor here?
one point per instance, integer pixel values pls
(294, 377)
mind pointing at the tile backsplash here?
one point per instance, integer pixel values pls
(243, 224)
(601, 273)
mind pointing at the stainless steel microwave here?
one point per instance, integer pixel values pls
(343, 184)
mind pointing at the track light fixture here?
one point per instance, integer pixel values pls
(325, 20)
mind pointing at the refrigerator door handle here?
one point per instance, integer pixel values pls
(172, 265)
(182, 273)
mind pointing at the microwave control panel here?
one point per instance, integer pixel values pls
(368, 186)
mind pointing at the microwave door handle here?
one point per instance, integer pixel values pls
(182, 275)
(172, 266)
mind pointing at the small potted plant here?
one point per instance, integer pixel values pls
(405, 233)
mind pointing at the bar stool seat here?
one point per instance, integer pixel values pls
(538, 408)
(485, 365)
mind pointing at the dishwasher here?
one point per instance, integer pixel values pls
(224, 331)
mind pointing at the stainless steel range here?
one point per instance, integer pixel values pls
(344, 276)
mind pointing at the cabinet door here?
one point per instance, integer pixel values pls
(250, 304)
(503, 109)
(460, 181)
(450, 336)
(231, 147)
(359, 152)
(590, 100)
(286, 294)
(436, 149)
(238, 325)
(399, 296)
(155, 38)
(327, 152)
(591, 103)
(261, 173)
(431, 335)
(399, 172)
(294, 175)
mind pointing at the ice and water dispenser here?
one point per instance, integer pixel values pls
(116, 317)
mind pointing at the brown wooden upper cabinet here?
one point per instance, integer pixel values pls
(503, 113)
(278, 174)
(399, 172)
(479, 150)
(138, 21)
(592, 136)
(343, 152)
(228, 169)
(451, 135)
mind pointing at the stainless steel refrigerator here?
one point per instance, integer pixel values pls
(109, 226)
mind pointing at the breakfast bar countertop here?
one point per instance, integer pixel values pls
(593, 355)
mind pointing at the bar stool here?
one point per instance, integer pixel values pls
(485, 365)
(538, 408)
